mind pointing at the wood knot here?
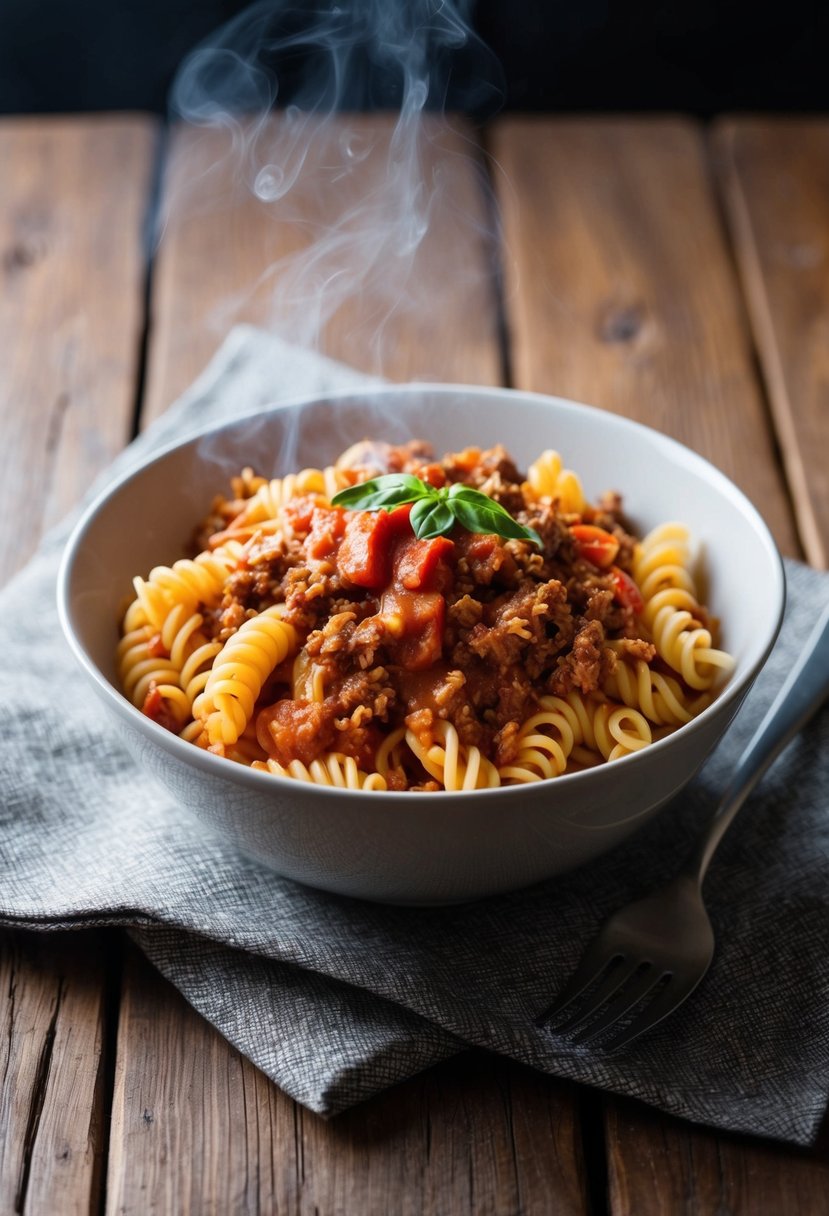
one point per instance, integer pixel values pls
(148, 1116)
(20, 255)
(621, 322)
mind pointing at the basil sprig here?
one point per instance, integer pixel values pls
(435, 512)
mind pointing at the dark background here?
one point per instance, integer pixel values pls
(700, 57)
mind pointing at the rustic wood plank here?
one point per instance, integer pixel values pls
(622, 294)
(198, 1128)
(476, 1136)
(774, 175)
(73, 196)
(214, 260)
(621, 290)
(659, 1165)
(72, 199)
(52, 1096)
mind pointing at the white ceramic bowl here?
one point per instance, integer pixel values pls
(439, 847)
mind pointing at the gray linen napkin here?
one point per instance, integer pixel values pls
(336, 999)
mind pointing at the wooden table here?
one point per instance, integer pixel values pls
(675, 274)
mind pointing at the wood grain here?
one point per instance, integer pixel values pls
(623, 294)
(621, 291)
(73, 196)
(775, 180)
(224, 256)
(475, 1137)
(52, 1098)
(197, 1128)
(659, 1165)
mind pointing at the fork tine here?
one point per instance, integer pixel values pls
(593, 964)
(664, 1003)
(627, 999)
(615, 980)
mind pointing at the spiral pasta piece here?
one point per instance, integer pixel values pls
(391, 751)
(187, 582)
(660, 698)
(140, 667)
(544, 743)
(446, 760)
(175, 661)
(307, 679)
(236, 679)
(332, 768)
(671, 608)
(606, 727)
(547, 478)
(271, 496)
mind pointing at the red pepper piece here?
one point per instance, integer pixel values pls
(625, 590)
(418, 563)
(595, 544)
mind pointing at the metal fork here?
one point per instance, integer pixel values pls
(649, 957)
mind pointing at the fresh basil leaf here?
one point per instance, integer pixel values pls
(489, 516)
(430, 517)
(390, 490)
(459, 490)
(435, 511)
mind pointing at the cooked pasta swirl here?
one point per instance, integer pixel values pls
(544, 743)
(659, 697)
(140, 666)
(234, 683)
(547, 478)
(307, 679)
(332, 768)
(271, 496)
(606, 727)
(456, 767)
(175, 661)
(187, 582)
(661, 569)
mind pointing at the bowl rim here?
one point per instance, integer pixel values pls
(218, 766)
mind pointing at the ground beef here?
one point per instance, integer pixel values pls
(586, 665)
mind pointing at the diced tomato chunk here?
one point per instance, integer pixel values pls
(625, 590)
(595, 544)
(420, 565)
(327, 530)
(365, 554)
(399, 521)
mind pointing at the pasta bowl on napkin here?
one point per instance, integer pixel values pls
(208, 660)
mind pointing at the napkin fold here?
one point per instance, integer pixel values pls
(336, 999)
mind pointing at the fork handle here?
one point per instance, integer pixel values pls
(804, 691)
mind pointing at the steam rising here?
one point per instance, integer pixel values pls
(278, 92)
